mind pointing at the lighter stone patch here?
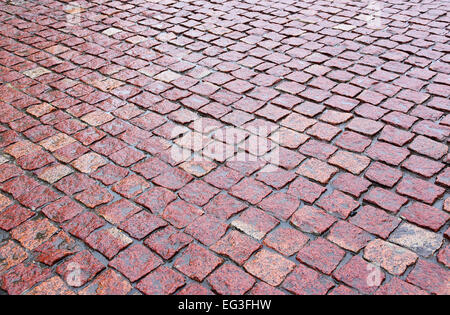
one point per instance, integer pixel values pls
(89, 162)
(56, 142)
(55, 173)
(167, 76)
(36, 72)
(40, 110)
(111, 31)
(393, 258)
(419, 240)
(247, 229)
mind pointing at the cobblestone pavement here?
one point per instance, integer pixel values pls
(228, 147)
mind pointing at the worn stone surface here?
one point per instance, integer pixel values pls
(220, 147)
(419, 240)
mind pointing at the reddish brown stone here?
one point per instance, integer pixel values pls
(250, 190)
(180, 214)
(338, 203)
(11, 255)
(223, 206)
(62, 210)
(108, 241)
(56, 248)
(107, 283)
(351, 184)
(255, 223)
(348, 236)
(385, 199)
(33, 233)
(14, 216)
(383, 174)
(94, 196)
(392, 258)
(269, 267)
(305, 190)
(237, 246)
(420, 190)
(80, 268)
(375, 221)
(425, 216)
(430, 277)
(361, 275)
(22, 277)
(312, 220)
(197, 262)
(280, 204)
(399, 287)
(82, 225)
(317, 170)
(118, 211)
(142, 224)
(167, 242)
(305, 281)
(207, 229)
(135, 262)
(321, 255)
(162, 281)
(286, 241)
(230, 280)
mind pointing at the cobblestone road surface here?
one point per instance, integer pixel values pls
(230, 147)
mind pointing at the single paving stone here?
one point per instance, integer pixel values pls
(280, 204)
(11, 254)
(351, 184)
(350, 162)
(230, 280)
(89, 163)
(353, 141)
(198, 193)
(131, 186)
(162, 281)
(255, 223)
(14, 216)
(173, 179)
(431, 277)
(425, 216)
(393, 258)
(22, 277)
(375, 221)
(444, 256)
(305, 189)
(387, 153)
(198, 168)
(285, 240)
(33, 233)
(312, 220)
(53, 286)
(108, 282)
(83, 225)
(237, 246)
(428, 147)
(250, 190)
(444, 178)
(419, 240)
(94, 196)
(180, 213)
(223, 206)
(399, 287)
(223, 177)
(317, 170)
(167, 241)
(118, 211)
(56, 248)
(321, 255)
(62, 210)
(135, 262)
(108, 241)
(197, 262)
(305, 281)
(367, 127)
(383, 174)
(422, 166)
(80, 269)
(348, 236)
(361, 275)
(207, 229)
(269, 267)
(343, 290)
(420, 190)
(156, 199)
(338, 203)
(385, 199)
(262, 288)
(52, 174)
(142, 224)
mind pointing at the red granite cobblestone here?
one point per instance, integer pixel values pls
(220, 147)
